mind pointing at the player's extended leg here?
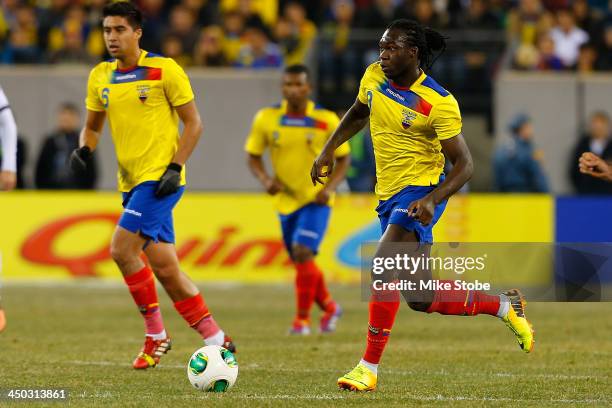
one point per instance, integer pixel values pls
(126, 248)
(186, 297)
(383, 308)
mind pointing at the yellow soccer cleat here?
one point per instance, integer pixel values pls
(517, 322)
(359, 378)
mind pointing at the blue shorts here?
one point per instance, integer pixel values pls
(149, 215)
(305, 226)
(395, 211)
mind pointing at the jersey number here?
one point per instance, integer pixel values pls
(105, 93)
(369, 99)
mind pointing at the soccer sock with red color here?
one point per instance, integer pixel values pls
(466, 302)
(305, 286)
(196, 314)
(142, 287)
(382, 317)
(322, 296)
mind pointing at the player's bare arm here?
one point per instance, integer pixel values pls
(90, 136)
(192, 129)
(271, 184)
(354, 120)
(594, 166)
(455, 149)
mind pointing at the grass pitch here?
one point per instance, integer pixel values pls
(84, 336)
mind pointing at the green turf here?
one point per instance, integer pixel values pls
(83, 337)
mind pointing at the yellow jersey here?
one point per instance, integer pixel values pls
(407, 125)
(139, 103)
(294, 142)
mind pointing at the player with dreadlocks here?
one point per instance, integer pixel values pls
(415, 124)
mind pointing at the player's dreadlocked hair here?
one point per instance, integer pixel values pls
(424, 38)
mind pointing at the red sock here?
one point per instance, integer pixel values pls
(192, 309)
(197, 315)
(464, 302)
(142, 287)
(322, 296)
(306, 287)
(382, 316)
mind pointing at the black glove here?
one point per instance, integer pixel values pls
(79, 158)
(170, 181)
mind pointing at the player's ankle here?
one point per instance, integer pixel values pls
(215, 340)
(370, 366)
(158, 336)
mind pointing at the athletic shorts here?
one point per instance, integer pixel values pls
(395, 211)
(148, 215)
(305, 226)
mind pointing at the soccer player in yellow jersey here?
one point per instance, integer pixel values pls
(295, 132)
(144, 95)
(415, 124)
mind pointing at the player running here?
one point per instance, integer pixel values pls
(295, 132)
(415, 124)
(144, 96)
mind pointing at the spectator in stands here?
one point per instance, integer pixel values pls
(52, 171)
(209, 49)
(304, 30)
(68, 41)
(8, 10)
(75, 41)
(182, 25)
(233, 27)
(517, 164)
(567, 37)
(49, 16)
(172, 47)
(604, 59)
(286, 36)
(379, 14)
(476, 16)
(548, 60)
(205, 11)
(597, 140)
(586, 58)
(153, 25)
(259, 51)
(586, 19)
(527, 22)
(338, 63)
(22, 46)
(266, 10)
(422, 11)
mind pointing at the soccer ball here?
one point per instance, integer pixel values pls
(212, 368)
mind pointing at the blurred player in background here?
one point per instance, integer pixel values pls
(415, 124)
(295, 132)
(8, 167)
(144, 96)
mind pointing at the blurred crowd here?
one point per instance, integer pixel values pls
(561, 35)
(542, 34)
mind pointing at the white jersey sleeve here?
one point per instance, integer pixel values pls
(8, 135)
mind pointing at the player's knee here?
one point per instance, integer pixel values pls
(301, 253)
(120, 254)
(165, 273)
